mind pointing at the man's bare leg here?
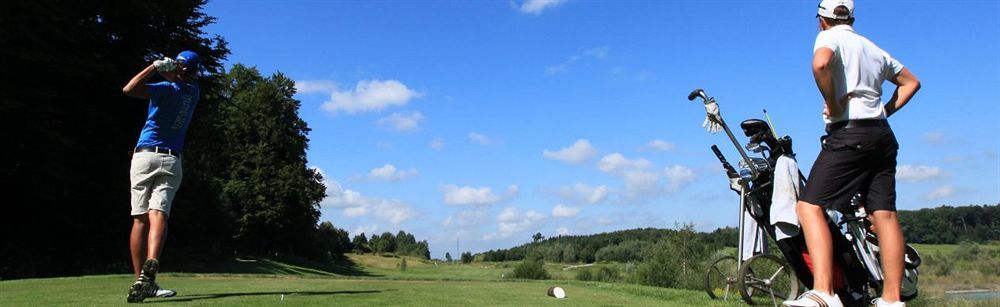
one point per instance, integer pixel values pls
(891, 247)
(137, 242)
(819, 243)
(157, 233)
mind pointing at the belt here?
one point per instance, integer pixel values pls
(857, 123)
(158, 149)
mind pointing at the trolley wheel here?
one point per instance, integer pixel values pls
(767, 278)
(720, 277)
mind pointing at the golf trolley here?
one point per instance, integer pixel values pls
(767, 277)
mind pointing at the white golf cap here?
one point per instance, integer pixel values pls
(826, 8)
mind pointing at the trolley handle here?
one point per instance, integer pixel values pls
(730, 171)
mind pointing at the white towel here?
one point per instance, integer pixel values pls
(786, 193)
(754, 241)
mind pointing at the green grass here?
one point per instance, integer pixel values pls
(298, 291)
(370, 280)
(928, 249)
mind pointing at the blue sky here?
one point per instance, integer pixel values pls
(479, 123)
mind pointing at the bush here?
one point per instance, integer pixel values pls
(675, 262)
(531, 268)
(624, 252)
(602, 274)
(608, 274)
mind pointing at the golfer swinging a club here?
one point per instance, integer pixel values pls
(155, 173)
(859, 149)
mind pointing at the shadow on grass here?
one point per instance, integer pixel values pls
(281, 266)
(196, 297)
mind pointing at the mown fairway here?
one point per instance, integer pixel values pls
(374, 281)
(305, 291)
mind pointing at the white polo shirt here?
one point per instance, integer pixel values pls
(859, 68)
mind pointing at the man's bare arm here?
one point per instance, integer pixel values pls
(907, 85)
(824, 80)
(137, 86)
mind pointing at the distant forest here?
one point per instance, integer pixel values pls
(942, 225)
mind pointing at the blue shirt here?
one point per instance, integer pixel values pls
(171, 105)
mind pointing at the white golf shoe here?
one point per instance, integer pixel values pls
(813, 298)
(156, 291)
(881, 303)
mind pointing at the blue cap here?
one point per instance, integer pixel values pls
(189, 59)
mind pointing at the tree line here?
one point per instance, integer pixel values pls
(402, 244)
(617, 246)
(941, 225)
(951, 225)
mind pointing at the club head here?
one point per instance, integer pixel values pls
(697, 93)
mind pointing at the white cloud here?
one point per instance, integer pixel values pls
(394, 212)
(580, 151)
(536, 7)
(640, 184)
(910, 172)
(593, 54)
(511, 221)
(454, 195)
(401, 121)
(944, 191)
(582, 193)
(565, 211)
(555, 69)
(390, 173)
(616, 162)
(599, 53)
(436, 144)
(465, 219)
(367, 230)
(512, 190)
(660, 145)
(935, 137)
(356, 211)
(479, 138)
(678, 176)
(370, 95)
(562, 231)
(315, 86)
(353, 204)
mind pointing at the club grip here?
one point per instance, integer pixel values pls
(730, 171)
(695, 93)
(718, 154)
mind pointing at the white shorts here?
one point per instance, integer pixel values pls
(155, 178)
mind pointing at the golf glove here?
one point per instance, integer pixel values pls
(164, 65)
(712, 117)
(711, 125)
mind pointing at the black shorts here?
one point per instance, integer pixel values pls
(853, 160)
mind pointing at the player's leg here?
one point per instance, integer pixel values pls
(163, 187)
(137, 242)
(891, 249)
(141, 175)
(881, 204)
(819, 243)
